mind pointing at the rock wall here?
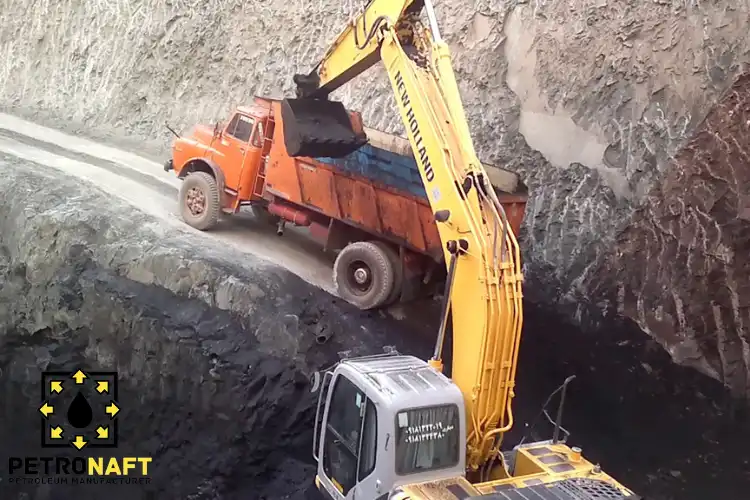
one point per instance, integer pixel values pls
(681, 266)
(589, 99)
(213, 356)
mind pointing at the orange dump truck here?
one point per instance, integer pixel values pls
(369, 207)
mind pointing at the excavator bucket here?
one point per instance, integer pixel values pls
(320, 128)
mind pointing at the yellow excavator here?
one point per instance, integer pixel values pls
(392, 426)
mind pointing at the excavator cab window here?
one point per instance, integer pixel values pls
(240, 127)
(427, 439)
(369, 445)
(349, 447)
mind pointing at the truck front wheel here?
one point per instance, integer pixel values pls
(363, 274)
(199, 201)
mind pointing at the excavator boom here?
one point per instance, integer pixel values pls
(485, 296)
(404, 415)
(356, 49)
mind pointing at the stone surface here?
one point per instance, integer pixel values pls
(589, 99)
(681, 266)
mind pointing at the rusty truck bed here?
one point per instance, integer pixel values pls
(377, 189)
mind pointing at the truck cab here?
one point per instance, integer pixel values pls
(237, 150)
(223, 167)
(384, 421)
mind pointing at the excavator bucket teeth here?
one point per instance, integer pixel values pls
(319, 128)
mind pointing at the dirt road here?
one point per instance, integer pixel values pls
(144, 184)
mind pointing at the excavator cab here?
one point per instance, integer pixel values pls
(319, 128)
(383, 421)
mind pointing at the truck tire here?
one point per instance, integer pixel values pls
(200, 203)
(398, 273)
(363, 275)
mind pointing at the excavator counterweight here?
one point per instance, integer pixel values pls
(320, 128)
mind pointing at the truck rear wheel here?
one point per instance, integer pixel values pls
(398, 273)
(363, 274)
(199, 201)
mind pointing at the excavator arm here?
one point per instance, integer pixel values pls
(481, 251)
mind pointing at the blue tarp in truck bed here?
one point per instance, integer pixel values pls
(380, 165)
(388, 159)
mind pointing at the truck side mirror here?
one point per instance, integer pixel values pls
(217, 129)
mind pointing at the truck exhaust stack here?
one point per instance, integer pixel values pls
(318, 128)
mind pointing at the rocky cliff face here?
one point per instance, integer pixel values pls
(590, 100)
(681, 265)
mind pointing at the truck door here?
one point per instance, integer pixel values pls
(348, 454)
(233, 147)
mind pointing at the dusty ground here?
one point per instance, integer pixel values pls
(144, 184)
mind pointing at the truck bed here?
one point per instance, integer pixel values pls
(377, 189)
(388, 161)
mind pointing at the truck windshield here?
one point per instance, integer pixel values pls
(427, 439)
(240, 127)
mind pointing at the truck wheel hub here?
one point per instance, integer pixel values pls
(196, 201)
(361, 275)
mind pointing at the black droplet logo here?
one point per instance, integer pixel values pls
(79, 412)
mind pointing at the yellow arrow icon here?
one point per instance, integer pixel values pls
(112, 409)
(56, 432)
(78, 442)
(55, 386)
(102, 432)
(102, 386)
(46, 410)
(78, 377)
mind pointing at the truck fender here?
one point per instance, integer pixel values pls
(204, 165)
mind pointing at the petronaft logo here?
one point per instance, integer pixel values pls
(79, 409)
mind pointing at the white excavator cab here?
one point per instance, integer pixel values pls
(385, 421)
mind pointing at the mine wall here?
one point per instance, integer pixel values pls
(213, 352)
(689, 240)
